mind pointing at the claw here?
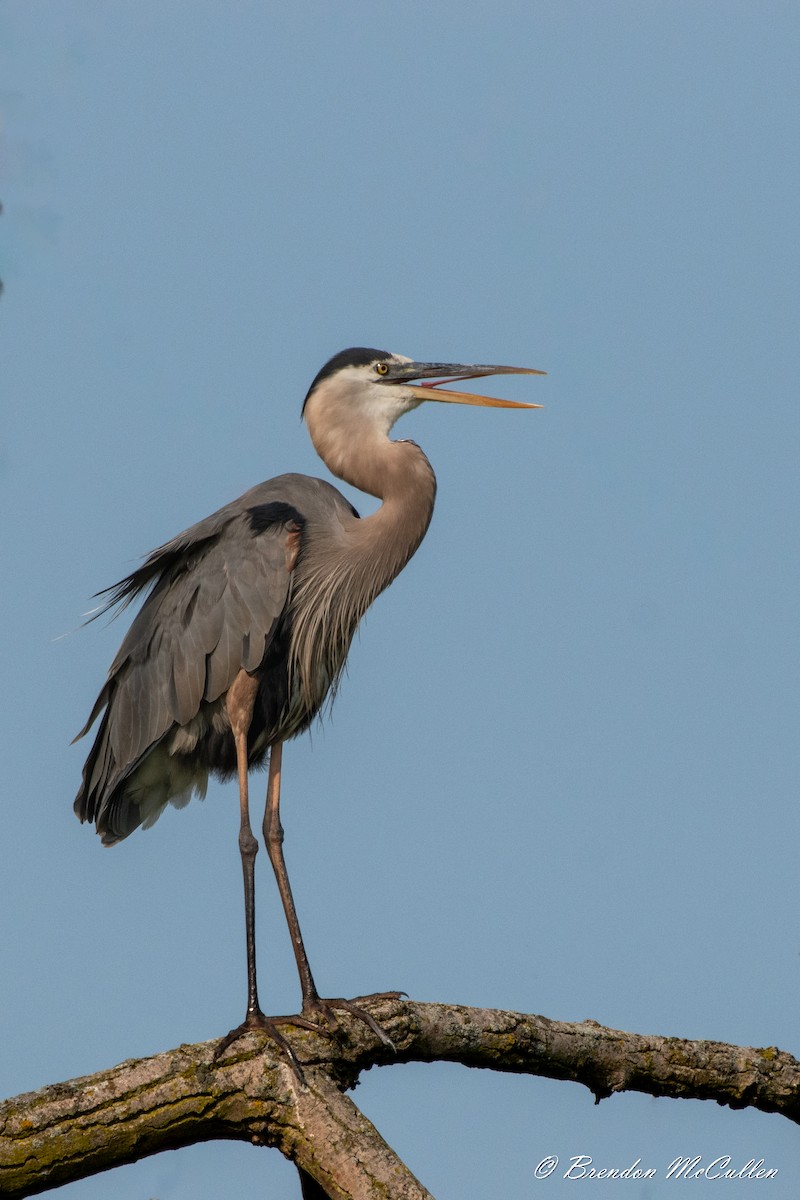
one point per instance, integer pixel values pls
(268, 1025)
(319, 1016)
(324, 1011)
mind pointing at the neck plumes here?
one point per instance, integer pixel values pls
(342, 571)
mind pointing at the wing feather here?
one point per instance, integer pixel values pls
(216, 595)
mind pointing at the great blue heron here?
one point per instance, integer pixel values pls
(248, 620)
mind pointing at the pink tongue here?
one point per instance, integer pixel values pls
(455, 379)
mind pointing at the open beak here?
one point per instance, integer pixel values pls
(442, 373)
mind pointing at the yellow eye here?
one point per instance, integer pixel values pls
(382, 368)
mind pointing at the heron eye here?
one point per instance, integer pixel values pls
(382, 368)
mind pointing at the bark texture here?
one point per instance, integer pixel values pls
(68, 1131)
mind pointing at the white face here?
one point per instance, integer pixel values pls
(350, 415)
(364, 394)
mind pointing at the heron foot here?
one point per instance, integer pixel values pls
(323, 1013)
(269, 1025)
(318, 1015)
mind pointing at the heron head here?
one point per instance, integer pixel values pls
(380, 387)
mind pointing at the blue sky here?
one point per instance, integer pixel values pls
(562, 773)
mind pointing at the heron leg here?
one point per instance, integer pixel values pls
(241, 699)
(273, 839)
(313, 1004)
(240, 702)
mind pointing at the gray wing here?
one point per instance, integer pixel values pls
(217, 593)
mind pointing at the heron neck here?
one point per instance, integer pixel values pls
(398, 473)
(406, 485)
(343, 570)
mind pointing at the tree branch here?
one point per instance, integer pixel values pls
(68, 1131)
